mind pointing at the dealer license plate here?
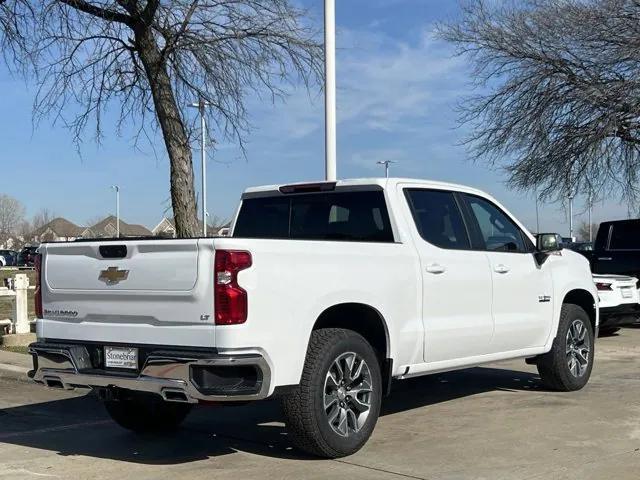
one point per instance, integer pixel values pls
(121, 357)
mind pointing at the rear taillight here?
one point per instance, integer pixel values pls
(230, 298)
(603, 286)
(37, 296)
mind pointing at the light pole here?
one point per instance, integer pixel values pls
(386, 164)
(116, 188)
(589, 215)
(330, 89)
(571, 216)
(203, 159)
(537, 213)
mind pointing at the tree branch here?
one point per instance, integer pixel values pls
(103, 13)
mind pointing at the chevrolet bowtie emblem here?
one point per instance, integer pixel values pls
(113, 275)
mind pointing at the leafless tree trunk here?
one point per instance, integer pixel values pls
(153, 58)
(176, 140)
(559, 101)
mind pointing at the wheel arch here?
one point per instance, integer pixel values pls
(367, 321)
(583, 298)
(361, 318)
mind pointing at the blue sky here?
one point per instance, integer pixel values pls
(397, 90)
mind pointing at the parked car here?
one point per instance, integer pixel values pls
(8, 258)
(27, 256)
(618, 304)
(617, 248)
(322, 295)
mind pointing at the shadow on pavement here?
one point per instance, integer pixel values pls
(79, 425)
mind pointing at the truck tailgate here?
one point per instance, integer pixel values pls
(124, 292)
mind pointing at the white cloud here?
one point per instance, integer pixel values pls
(384, 84)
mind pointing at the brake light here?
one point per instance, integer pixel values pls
(230, 298)
(603, 286)
(37, 295)
(308, 187)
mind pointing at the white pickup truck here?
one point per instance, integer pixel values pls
(322, 294)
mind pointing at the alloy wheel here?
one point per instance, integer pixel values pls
(347, 394)
(578, 348)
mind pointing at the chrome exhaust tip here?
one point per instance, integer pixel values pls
(53, 382)
(174, 395)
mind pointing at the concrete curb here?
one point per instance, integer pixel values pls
(14, 366)
(13, 372)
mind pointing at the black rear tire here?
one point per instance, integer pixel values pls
(147, 413)
(558, 368)
(309, 420)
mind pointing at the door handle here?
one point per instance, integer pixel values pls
(435, 268)
(501, 269)
(604, 258)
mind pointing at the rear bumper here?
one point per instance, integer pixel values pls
(176, 374)
(624, 314)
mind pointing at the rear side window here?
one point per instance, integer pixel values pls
(625, 236)
(438, 218)
(342, 216)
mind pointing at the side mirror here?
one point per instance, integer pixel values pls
(548, 242)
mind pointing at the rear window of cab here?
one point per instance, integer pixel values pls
(360, 216)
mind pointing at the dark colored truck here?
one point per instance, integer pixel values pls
(617, 248)
(617, 252)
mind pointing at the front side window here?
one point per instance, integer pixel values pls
(498, 231)
(341, 216)
(438, 218)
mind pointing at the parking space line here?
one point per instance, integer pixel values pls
(381, 470)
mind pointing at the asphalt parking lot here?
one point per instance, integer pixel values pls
(492, 422)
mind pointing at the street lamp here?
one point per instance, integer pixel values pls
(386, 164)
(537, 213)
(116, 188)
(203, 159)
(590, 200)
(330, 89)
(571, 216)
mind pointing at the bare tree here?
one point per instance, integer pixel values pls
(560, 91)
(15, 15)
(583, 231)
(90, 222)
(24, 234)
(153, 58)
(215, 223)
(41, 218)
(11, 216)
